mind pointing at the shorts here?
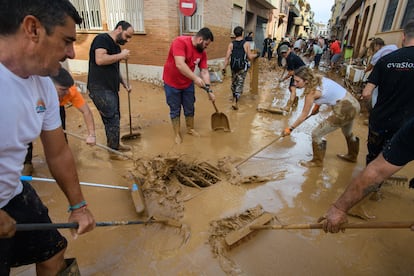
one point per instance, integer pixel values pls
(29, 247)
(335, 58)
(400, 150)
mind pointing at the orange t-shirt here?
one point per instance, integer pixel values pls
(73, 97)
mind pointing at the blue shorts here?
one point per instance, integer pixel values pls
(28, 247)
(335, 58)
(180, 97)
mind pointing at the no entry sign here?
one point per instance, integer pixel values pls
(188, 7)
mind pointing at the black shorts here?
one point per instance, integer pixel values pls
(29, 247)
(400, 150)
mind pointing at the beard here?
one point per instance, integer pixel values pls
(200, 47)
(120, 40)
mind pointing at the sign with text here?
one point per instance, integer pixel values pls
(188, 7)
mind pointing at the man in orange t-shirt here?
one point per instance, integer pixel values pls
(67, 93)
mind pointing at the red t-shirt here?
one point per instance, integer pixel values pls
(182, 46)
(335, 47)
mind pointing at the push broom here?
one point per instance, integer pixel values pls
(136, 192)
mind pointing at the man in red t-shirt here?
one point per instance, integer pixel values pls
(186, 52)
(335, 52)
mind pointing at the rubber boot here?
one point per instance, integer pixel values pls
(189, 122)
(319, 151)
(176, 127)
(353, 149)
(235, 104)
(288, 106)
(71, 269)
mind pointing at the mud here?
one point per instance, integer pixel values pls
(226, 196)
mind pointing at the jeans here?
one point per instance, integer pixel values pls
(107, 102)
(180, 97)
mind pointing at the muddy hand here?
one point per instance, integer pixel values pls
(333, 220)
(7, 225)
(91, 140)
(85, 220)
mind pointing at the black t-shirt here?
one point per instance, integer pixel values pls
(400, 149)
(394, 76)
(104, 76)
(294, 62)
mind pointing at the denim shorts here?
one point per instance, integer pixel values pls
(29, 247)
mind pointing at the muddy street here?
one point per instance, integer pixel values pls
(271, 180)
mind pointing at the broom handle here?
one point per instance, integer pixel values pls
(256, 152)
(99, 145)
(361, 225)
(129, 97)
(31, 178)
(262, 148)
(74, 225)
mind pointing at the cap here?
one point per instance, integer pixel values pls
(283, 49)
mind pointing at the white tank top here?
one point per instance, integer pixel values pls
(331, 92)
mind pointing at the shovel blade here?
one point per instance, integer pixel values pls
(219, 121)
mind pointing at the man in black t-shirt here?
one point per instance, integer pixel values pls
(104, 78)
(293, 62)
(393, 74)
(395, 156)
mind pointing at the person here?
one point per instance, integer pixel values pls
(267, 48)
(321, 90)
(238, 67)
(34, 36)
(104, 78)
(393, 75)
(293, 62)
(379, 49)
(285, 41)
(298, 45)
(398, 152)
(68, 94)
(179, 78)
(250, 39)
(336, 52)
(316, 54)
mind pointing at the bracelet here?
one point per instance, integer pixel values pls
(77, 206)
(291, 128)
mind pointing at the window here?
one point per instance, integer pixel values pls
(408, 14)
(90, 11)
(195, 22)
(389, 15)
(131, 11)
(236, 17)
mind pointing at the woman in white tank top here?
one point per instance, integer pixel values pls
(320, 90)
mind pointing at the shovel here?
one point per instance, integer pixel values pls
(131, 135)
(219, 120)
